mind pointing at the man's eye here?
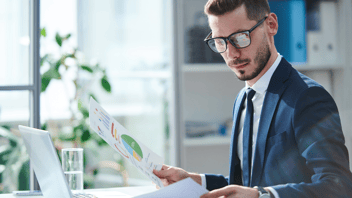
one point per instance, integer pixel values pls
(219, 42)
(241, 37)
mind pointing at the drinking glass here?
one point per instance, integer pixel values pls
(72, 165)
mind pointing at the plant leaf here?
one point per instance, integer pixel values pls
(79, 104)
(58, 39)
(84, 112)
(47, 76)
(43, 59)
(105, 83)
(87, 68)
(43, 32)
(57, 65)
(44, 126)
(8, 127)
(85, 136)
(52, 73)
(67, 36)
(45, 83)
(72, 55)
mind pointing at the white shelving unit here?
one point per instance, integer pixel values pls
(207, 141)
(206, 91)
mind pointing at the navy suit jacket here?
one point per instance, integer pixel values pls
(300, 149)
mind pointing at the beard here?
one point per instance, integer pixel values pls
(261, 59)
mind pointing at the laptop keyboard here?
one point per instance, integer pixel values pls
(82, 195)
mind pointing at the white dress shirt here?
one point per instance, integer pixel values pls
(260, 87)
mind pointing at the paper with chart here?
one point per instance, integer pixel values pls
(124, 143)
(186, 188)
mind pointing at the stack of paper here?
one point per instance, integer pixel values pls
(186, 188)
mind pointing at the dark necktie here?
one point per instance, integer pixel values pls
(247, 139)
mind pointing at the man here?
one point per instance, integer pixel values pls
(287, 139)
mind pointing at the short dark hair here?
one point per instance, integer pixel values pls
(256, 9)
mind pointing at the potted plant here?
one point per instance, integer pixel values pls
(54, 68)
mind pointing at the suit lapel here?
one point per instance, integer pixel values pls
(277, 85)
(234, 160)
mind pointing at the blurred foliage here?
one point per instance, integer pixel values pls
(14, 162)
(55, 68)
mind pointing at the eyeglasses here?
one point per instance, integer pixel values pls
(238, 39)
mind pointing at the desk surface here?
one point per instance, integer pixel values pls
(131, 191)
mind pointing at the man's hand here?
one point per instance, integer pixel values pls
(170, 175)
(233, 191)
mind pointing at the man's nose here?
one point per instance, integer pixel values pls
(232, 51)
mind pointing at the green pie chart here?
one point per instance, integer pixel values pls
(132, 147)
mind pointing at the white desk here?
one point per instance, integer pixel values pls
(131, 191)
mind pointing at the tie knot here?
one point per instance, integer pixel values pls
(250, 94)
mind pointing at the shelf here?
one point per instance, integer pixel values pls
(308, 67)
(207, 141)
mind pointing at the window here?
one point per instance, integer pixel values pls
(19, 89)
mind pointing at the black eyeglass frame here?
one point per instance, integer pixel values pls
(207, 39)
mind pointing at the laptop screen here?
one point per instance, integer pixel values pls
(45, 162)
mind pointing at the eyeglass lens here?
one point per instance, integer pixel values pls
(240, 40)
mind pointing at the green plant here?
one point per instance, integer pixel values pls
(55, 69)
(14, 162)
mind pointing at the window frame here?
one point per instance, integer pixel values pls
(34, 87)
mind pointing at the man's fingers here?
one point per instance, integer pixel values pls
(165, 182)
(171, 174)
(158, 173)
(156, 186)
(163, 172)
(165, 167)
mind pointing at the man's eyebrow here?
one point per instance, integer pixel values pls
(238, 31)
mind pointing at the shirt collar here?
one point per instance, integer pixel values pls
(262, 84)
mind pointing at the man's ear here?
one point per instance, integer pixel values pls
(272, 24)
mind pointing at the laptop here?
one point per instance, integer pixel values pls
(46, 164)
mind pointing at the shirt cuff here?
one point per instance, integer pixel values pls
(274, 192)
(204, 181)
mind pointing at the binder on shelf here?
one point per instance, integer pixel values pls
(290, 38)
(196, 51)
(322, 41)
(200, 129)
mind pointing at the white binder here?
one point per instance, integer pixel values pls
(322, 44)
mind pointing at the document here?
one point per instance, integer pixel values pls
(186, 188)
(109, 194)
(124, 143)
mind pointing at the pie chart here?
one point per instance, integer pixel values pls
(132, 147)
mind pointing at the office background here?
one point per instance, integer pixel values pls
(167, 88)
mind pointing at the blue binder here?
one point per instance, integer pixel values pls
(290, 39)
